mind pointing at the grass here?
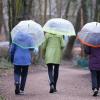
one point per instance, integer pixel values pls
(2, 98)
(5, 64)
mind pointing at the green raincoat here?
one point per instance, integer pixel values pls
(52, 48)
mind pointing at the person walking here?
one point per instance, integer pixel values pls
(94, 66)
(52, 51)
(21, 58)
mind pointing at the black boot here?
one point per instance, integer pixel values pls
(55, 90)
(51, 88)
(17, 90)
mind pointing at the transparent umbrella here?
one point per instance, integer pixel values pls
(90, 34)
(27, 34)
(59, 26)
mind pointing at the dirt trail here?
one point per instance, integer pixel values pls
(73, 84)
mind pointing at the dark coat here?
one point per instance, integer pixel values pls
(94, 57)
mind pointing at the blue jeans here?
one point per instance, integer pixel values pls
(53, 72)
(20, 75)
(95, 77)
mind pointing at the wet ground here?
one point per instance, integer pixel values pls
(73, 84)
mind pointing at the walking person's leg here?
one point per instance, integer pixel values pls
(94, 82)
(98, 79)
(50, 73)
(51, 78)
(17, 74)
(56, 73)
(24, 72)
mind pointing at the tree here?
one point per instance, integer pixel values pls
(18, 10)
(97, 11)
(45, 11)
(72, 14)
(1, 15)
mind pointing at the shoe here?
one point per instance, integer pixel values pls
(17, 91)
(21, 92)
(95, 92)
(55, 90)
(51, 89)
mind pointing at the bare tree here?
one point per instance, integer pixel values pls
(59, 7)
(84, 12)
(45, 11)
(49, 8)
(72, 14)
(97, 10)
(1, 15)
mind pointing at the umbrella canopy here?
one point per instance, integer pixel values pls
(27, 34)
(59, 26)
(90, 34)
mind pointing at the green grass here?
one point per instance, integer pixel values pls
(2, 98)
(5, 64)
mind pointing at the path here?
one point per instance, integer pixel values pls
(73, 84)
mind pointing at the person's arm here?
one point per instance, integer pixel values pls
(34, 50)
(44, 46)
(62, 43)
(43, 49)
(12, 51)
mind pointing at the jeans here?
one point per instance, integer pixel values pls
(95, 77)
(20, 75)
(53, 72)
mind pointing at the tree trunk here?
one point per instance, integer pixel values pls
(45, 11)
(13, 4)
(9, 20)
(59, 7)
(97, 10)
(49, 8)
(72, 11)
(1, 15)
(68, 50)
(5, 29)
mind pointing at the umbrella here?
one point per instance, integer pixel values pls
(27, 34)
(90, 34)
(59, 26)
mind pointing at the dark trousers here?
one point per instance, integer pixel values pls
(95, 77)
(20, 75)
(53, 72)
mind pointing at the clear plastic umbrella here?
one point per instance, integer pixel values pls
(90, 34)
(27, 34)
(59, 26)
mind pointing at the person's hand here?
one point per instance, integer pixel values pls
(36, 50)
(11, 59)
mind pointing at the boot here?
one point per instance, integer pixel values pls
(17, 90)
(55, 90)
(51, 88)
